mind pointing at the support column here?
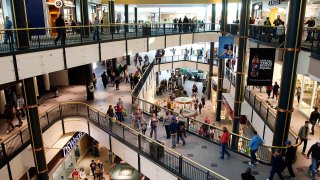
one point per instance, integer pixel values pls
(239, 92)
(220, 89)
(126, 17)
(35, 128)
(136, 19)
(89, 84)
(221, 61)
(111, 14)
(210, 74)
(289, 75)
(213, 17)
(84, 18)
(35, 84)
(46, 81)
(3, 101)
(20, 21)
(224, 17)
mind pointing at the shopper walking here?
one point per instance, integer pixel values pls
(181, 131)
(314, 117)
(275, 90)
(315, 155)
(7, 27)
(254, 144)
(289, 158)
(200, 107)
(224, 143)
(166, 123)
(303, 135)
(104, 79)
(20, 106)
(173, 131)
(93, 166)
(277, 165)
(269, 90)
(9, 115)
(311, 23)
(61, 30)
(203, 101)
(96, 29)
(154, 124)
(298, 94)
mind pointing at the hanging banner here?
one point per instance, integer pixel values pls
(261, 63)
(225, 47)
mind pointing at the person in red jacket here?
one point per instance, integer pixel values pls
(224, 143)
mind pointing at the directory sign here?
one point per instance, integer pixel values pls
(225, 47)
(261, 64)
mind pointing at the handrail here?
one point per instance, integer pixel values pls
(147, 137)
(103, 25)
(270, 112)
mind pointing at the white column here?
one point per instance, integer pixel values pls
(46, 82)
(2, 101)
(35, 83)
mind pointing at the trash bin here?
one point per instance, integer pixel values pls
(156, 151)
(146, 31)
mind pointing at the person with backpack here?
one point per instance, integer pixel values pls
(93, 168)
(181, 131)
(277, 165)
(254, 144)
(303, 135)
(289, 158)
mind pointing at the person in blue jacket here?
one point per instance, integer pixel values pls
(254, 144)
(173, 130)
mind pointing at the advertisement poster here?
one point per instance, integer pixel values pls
(261, 63)
(225, 47)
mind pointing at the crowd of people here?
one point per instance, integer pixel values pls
(187, 24)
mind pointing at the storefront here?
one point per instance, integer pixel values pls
(5, 10)
(310, 94)
(68, 10)
(66, 159)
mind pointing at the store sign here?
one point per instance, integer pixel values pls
(58, 3)
(273, 2)
(261, 64)
(72, 143)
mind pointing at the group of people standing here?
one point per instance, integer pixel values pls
(185, 25)
(15, 109)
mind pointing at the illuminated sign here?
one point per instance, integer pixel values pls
(72, 143)
(273, 2)
(58, 3)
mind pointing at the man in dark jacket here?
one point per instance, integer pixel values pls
(290, 156)
(277, 165)
(61, 31)
(173, 130)
(314, 117)
(311, 23)
(104, 78)
(315, 154)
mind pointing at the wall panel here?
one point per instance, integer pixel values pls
(37, 63)
(81, 55)
(7, 73)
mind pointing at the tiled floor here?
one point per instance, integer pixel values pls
(196, 148)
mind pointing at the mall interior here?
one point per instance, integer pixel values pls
(105, 89)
